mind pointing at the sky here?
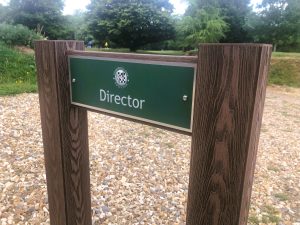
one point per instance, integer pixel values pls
(72, 5)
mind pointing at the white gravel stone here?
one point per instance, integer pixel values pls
(139, 174)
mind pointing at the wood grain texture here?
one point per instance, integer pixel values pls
(230, 91)
(65, 136)
(255, 132)
(150, 57)
(45, 61)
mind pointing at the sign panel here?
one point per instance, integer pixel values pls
(152, 91)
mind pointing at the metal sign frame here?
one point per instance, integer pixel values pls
(144, 62)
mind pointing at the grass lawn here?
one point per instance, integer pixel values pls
(126, 50)
(286, 55)
(163, 52)
(18, 72)
(285, 69)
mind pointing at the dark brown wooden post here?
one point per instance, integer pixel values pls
(230, 92)
(65, 137)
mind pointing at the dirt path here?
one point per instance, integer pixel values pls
(139, 174)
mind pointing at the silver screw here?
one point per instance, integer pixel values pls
(184, 98)
(73, 80)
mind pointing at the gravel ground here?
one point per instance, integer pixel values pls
(139, 174)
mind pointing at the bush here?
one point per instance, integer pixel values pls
(18, 35)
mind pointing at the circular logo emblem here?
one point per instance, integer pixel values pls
(121, 77)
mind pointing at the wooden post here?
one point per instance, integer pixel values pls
(65, 137)
(230, 93)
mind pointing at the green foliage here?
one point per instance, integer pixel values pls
(3, 11)
(130, 24)
(17, 71)
(233, 12)
(77, 26)
(17, 88)
(18, 35)
(45, 15)
(289, 48)
(277, 23)
(206, 25)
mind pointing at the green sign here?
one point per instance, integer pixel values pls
(152, 91)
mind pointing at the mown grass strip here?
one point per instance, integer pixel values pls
(13, 89)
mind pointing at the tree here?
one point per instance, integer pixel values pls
(277, 23)
(236, 13)
(3, 11)
(233, 12)
(130, 24)
(45, 14)
(77, 26)
(206, 25)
